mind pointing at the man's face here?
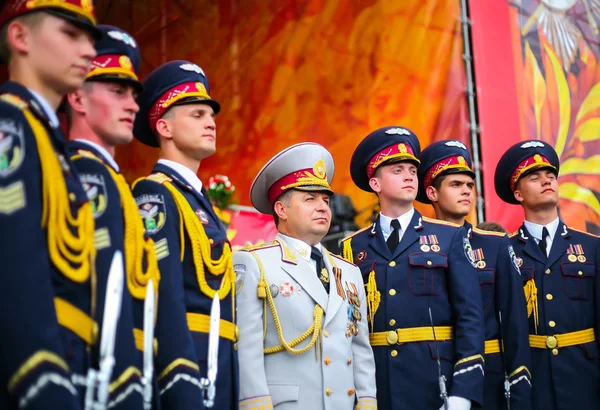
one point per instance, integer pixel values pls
(538, 190)
(455, 196)
(307, 215)
(110, 110)
(194, 130)
(396, 182)
(60, 53)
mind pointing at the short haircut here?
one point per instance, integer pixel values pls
(285, 198)
(32, 19)
(491, 226)
(437, 183)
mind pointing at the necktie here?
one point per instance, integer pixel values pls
(394, 239)
(322, 274)
(543, 243)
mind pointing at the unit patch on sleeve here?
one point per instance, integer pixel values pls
(153, 210)
(469, 252)
(514, 259)
(12, 146)
(95, 188)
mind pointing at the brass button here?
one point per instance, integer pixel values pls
(211, 241)
(328, 391)
(392, 322)
(551, 342)
(554, 352)
(580, 273)
(72, 197)
(235, 346)
(429, 263)
(350, 392)
(392, 264)
(394, 353)
(327, 360)
(392, 292)
(349, 361)
(237, 333)
(391, 337)
(552, 323)
(549, 296)
(326, 333)
(547, 271)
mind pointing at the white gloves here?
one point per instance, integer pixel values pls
(457, 403)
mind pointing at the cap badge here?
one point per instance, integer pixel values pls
(192, 67)
(397, 131)
(537, 158)
(456, 144)
(124, 37)
(319, 169)
(532, 144)
(461, 161)
(125, 62)
(402, 148)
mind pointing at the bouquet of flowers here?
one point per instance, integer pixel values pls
(220, 191)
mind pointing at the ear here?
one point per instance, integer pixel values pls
(432, 193)
(76, 102)
(18, 36)
(281, 210)
(375, 185)
(518, 195)
(164, 129)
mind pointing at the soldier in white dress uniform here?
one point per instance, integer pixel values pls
(304, 340)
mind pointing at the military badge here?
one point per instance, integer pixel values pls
(274, 289)
(324, 275)
(514, 259)
(397, 131)
(240, 274)
(469, 251)
(153, 210)
(12, 147)
(286, 289)
(192, 67)
(337, 273)
(360, 256)
(122, 36)
(478, 257)
(202, 216)
(95, 189)
(354, 315)
(576, 253)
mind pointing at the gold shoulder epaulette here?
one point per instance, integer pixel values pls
(82, 153)
(14, 100)
(440, 222)
(512, 235)
(341, 258)
(584, 232)
(489, 233)
(357, 232)
(159, 178)
(257, 247)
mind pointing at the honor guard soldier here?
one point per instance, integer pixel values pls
(304, 341)
(447, 181)
(420, 281)
(46, 299)
(101, 116)
(560, 269)
(177, 115)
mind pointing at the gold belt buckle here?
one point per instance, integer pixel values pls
(392, 337)
(551, 342)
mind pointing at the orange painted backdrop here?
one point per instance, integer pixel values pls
(317, 70)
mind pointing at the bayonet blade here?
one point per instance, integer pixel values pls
(213, 349)
(149, 303)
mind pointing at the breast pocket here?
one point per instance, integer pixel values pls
(487, 278)
(426, 273)
(578, 280)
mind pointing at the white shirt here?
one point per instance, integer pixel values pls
(45, 106)
(103, 153)
(187, 174)
(386, 224)
(303, 249)
(535, 230)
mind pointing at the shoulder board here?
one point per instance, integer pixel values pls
(357, 232)
(81, 153)
(440, 222)
(159, 178)
(512, 235)
(14, 100)
(488, 233)
(257, 247)
(584, 232)
(342, 259)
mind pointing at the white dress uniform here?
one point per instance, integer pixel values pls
(299, 347)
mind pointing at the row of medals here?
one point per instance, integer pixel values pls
(575, 258)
